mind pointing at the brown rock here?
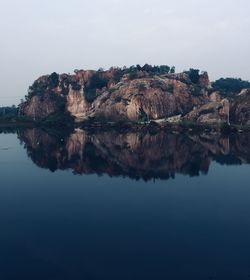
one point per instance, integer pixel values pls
(210, 113)
(215, 97)
(240, 109)
(116, 97)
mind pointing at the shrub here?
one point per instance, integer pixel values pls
(143, 117)
(141, 87)
(229, 86)
(172, 70)
(133, 75)
(53, 80)
(194, 75)
(90, 95)
(96, 82)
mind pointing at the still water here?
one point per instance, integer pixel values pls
(124, 206)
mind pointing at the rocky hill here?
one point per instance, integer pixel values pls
(132, 94)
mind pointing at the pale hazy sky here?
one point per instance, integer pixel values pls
(42, 36)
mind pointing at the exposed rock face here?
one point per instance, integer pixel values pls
(40, 108)
(136, 155)
(108, 95)
(210, 113)
(215, 96)
(240, 110)
(204, 80)
(76, 105)
(148, 98)
(134, 95)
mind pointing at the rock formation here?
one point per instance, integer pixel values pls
(240, 109)
(114, 96)
(135, 94)
(211, 113)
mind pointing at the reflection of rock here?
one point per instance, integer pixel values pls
(240, 147)
(133, 154)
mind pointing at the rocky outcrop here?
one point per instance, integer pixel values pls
(148, 98)
(114, 95)
(240, 110)
(136, 94)
(39, 108)
(210, 113)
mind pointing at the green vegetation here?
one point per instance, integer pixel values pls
(100, 79)
(90, 95)
(230, 86)
(172, 70)
(194, 75)
(143, 117)
(9, 117)
(8, 112)
(57, 120)
(96, 81)
(133, 70)
(141, 87)
(53, 80)
(37, 89)
(43, 85)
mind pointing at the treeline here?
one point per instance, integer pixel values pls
(8, 112)
(154, 69)
(230, 86)
(133, 70)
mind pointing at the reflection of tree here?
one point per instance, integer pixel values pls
(135, 155)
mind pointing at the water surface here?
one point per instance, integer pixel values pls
(124, 206)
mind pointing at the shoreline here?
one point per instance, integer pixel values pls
(128, 126)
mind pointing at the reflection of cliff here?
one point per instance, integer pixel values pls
(136, 155)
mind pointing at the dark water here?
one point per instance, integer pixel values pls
(124, 206)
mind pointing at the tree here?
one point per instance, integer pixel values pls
(229, 86)
(194, 75)
(172, 70)
(53, 80)
(164, 69)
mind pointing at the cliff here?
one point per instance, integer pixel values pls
(240, 109)
(130, 94)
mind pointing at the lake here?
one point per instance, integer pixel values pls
(110, 205)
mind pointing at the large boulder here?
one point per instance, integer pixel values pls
(213, 112)
(240, 109)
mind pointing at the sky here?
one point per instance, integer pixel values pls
(39, 37)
